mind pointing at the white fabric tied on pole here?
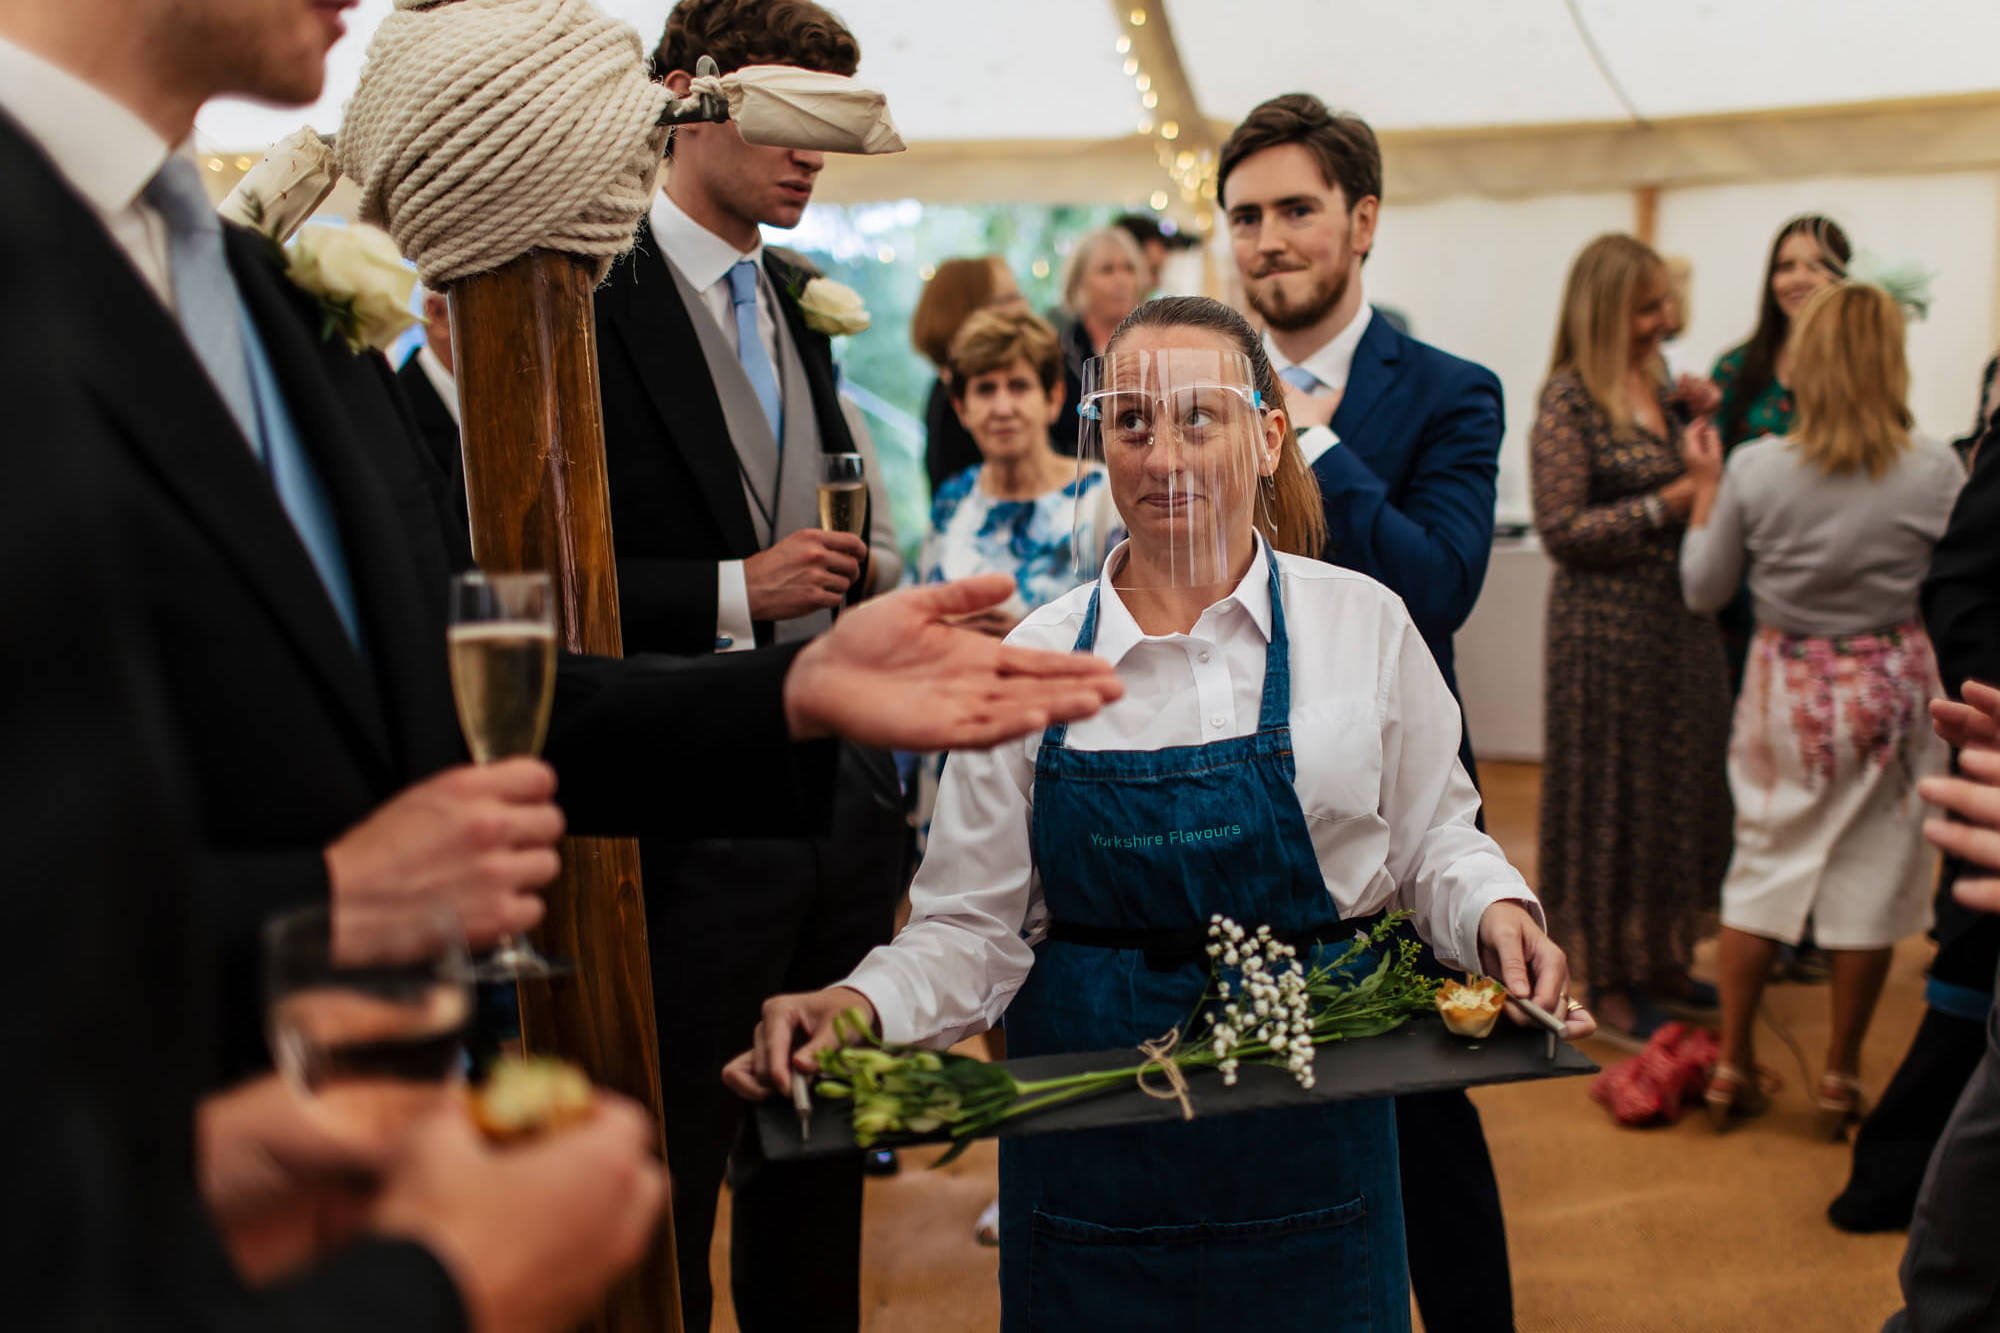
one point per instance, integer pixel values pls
(280, 192)
(786, 107)
(484, 129)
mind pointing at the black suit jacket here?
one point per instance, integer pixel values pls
(677, 505)
(1961, 602)
(97, 848)
(438, 431)
(293, 735)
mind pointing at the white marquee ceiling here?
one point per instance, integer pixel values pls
(1047, 69)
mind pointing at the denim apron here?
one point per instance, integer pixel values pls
(1277, 1221)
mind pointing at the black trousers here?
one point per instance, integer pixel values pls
(1895, 1143)
(731, 923)
(1951, 1283)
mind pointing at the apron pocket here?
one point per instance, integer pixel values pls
(1299, 1271)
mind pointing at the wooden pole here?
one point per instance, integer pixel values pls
(1646, 213)
(525, 349)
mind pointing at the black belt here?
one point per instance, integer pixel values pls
(1170, 950)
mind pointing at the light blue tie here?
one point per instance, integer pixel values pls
(225, 338)
(1302, 379)
(750, 348)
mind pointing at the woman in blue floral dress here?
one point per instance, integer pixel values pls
(1014, 512)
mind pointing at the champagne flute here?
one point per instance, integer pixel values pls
(843, 507)
(502, 646)
(367, 1007)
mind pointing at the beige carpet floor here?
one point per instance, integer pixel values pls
(1611, 1230)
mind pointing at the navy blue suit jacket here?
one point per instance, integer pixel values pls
(1409, 490)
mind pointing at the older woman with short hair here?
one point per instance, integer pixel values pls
(1015, 511)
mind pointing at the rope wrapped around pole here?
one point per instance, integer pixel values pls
(484, 129)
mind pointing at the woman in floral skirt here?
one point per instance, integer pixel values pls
(1835, 523)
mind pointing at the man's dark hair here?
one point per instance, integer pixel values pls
(1143, 228)
(1339, 141)
(756, 32)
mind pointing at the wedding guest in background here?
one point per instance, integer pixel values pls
(1961, 605)
(1834, 525)
(1404, 440)
(1808, 253)
(1982, 417)
(430, 386)
(1635, 814)
(1015, 511)
(1103, 280)
(719, 401)
(958, 288)
(1153, 245)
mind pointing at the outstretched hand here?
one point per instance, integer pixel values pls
(893, 674)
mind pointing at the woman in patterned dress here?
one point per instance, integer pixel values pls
(1835, 526)
(1635, 813)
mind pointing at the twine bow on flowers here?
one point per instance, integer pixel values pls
(1159, 1053)
(1261, 1004)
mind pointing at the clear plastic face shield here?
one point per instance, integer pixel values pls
(1181, 434)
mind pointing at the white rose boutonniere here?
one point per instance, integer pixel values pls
(832, 308)
(359, 279)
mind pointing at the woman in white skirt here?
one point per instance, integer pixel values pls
(1835, 523)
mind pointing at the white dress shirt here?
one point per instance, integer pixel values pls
(1374, 730)
(705, 259)
(100, 146)
(1330, 365)
(443, 382)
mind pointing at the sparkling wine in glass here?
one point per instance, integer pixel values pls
(843, 506)
(502, 648)
(368, 1007)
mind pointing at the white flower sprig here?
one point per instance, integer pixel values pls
(1271, 1006)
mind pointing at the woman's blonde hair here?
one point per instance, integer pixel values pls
(1594, 334)
(1289, 513)
(1850, 380)
(1080, 257)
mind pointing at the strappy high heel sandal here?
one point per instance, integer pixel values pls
(1839, 1105)
(1734, 1095)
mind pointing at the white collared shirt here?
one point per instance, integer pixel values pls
(704, 259)
(443, 382)
(1331, 365)
(1376, 737)
(103, 149)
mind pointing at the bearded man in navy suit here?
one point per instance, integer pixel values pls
(1405, 442)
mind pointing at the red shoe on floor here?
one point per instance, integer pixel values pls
(1663, 1080)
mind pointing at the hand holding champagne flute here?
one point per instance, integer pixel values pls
(502, 648)
(844, 506)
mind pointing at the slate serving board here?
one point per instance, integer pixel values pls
(1420, 1056)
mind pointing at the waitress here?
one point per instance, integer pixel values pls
(1290, 710)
